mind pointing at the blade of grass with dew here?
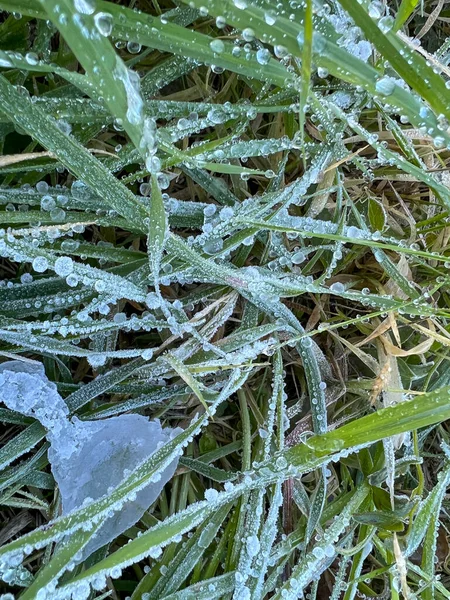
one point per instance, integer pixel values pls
(405, 10)
(72, 154)
(307, 42)
(187, 377)
(186, 558)
(288, 34)
(170, 37)
(432, 408)
(412, 67)
(21, 444)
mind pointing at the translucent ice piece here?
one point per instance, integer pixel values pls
(111, 449)
(88, 458)
(24, 387)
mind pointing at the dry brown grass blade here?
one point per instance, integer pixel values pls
(12, 159)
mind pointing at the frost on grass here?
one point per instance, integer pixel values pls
(88, 458)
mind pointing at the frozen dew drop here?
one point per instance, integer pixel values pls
(226, 213)
(216, 116)
(242, 4)
(153, 164)
(40, 264)
(42, 187)
(211, 494)
(298, 257)
(281, 462)
(100, 285)
(115, 572)
(152, 300)
(184, 123)
(318, 552)
(120, 317)
(47, 203)
(376, 9)
(280, 51)
(213, 246)
(239, 577)
(209, 210)
(204, 539)
(63, 266)
(72, 280)
(145, 189)
(253, 545)
(147, 354)
(353, 232)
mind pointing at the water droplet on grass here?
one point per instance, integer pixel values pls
(104, 23)
(385, 86)
(217, 46)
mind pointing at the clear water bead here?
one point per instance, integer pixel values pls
(337, 287)
(385, 86)
(217, 46)
(263, 56)
(104, 23)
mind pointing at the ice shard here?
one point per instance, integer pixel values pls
(88, 458)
